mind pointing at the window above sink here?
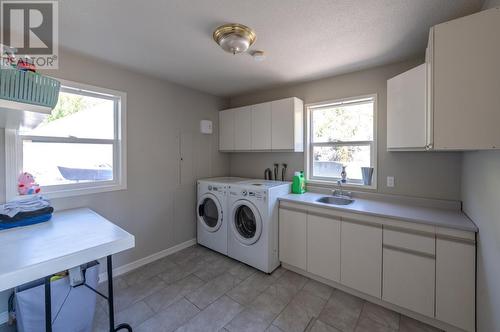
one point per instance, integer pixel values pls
(341, 133)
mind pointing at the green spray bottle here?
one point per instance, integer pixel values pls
(299, 183)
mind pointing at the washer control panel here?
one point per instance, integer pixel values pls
(245, 193)
(259, 195)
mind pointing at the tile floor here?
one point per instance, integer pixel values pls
(197, 289)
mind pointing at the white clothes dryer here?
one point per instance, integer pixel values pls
(253, 222)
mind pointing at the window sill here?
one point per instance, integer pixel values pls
(333, 184)
(72, 192)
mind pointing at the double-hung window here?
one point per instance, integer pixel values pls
(78, 149)
(341, 134)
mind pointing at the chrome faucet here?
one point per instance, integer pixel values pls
(340, 192)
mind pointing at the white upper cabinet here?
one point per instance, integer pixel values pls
(243, 128)
(261, 126)
(466, 82)
(462, 80)
(276, 125)
(226, 130)
(406, 110)
(287, 126)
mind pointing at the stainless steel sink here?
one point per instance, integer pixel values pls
(333, 200)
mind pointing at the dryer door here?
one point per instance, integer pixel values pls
(210, 212)
(246, 222)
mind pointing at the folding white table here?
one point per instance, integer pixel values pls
(71, 238)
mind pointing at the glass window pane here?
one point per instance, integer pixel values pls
(63, 163)
(78, 116)
(343, 123)
(328, 160)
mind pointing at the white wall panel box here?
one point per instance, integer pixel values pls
(206, 127)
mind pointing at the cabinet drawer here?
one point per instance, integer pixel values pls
(419, 242)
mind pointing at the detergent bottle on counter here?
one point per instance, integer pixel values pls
(299, 183)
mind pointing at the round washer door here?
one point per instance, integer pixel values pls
(246, 222)
(210, 212)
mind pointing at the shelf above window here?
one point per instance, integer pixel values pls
(26, 98)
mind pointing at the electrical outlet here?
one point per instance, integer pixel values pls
(390, 181)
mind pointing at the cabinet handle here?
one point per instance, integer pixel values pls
(324, 215)
(409, 251)
(409, 231)
(294, 209)
(456, 239)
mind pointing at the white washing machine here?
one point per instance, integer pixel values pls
(211, 211)
(253, 220)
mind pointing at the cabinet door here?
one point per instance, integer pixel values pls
(361, 257)
(292, 238)
(466, 82)
(455, 283)
(243, 128)
(226, 130)
(261, 126)
(406, 110)
(323, 247)
(408, 280)
(282, 124)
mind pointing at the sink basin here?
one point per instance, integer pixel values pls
(335, 200)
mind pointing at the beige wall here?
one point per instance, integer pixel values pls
(481, 197)
(424, 174)
(157, 207)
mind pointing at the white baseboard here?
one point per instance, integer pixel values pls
(146, 260)
(4, 316)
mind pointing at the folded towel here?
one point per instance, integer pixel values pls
(24, 215)
(24, 205)
(25, 222)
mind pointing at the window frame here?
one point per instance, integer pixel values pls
(14, 148)
(308, 151)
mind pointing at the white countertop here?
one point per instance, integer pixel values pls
(384, 208)
(70, 238)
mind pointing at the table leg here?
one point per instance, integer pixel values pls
(111, 301)
(48, 306)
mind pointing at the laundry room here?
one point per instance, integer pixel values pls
(249, 166)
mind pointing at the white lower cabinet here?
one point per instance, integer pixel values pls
(425, 269)
(293, 237)
(408, 280)
(361, 257)
(323, 246)
(455, 283)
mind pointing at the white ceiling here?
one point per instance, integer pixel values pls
(303, 39)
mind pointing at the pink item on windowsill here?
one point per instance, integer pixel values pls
(26, 184)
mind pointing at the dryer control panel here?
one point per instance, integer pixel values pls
(216, 189)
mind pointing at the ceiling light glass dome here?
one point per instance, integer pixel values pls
(234, 38)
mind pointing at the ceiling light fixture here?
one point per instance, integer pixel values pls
(234, 38)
